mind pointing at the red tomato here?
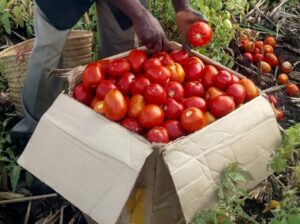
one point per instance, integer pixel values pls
(83, 94)
(222, 80)
(137, 58)
(174, 129)
(174, 90)
(195, 101)
(164, 58)
(158, 74)
(172, 109)
(292, 89)
(200, 34)
(221, 105)
(248, 56)
(193, 70)
(177, 72)
(250, 88)
(151, 116)
(155, 94)
(139, 85)
(283, 78)
(212, 92)
(258, 57)
(135, 106)
(286, 67)
(195, 59)
(267, 49)
(180, 56)
(192, 119)
(118, 67)
(235, 79)
(270, 41)
(92, 75)
(99, 107)
(208, 73)
(238, 92)
(151, 61)
(279, 114)
(209, 118)
(271, 59)
(249, 46)
(115, 106)
(194, 88)
(94, 101)
(273, 100)
(103, 88)
(125, 82)
(257, 50)
(158, 134)
(259, 44)
(132, 124)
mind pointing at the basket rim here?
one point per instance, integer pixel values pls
(9, 51)
(83, 33)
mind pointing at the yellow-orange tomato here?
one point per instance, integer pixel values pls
(270, 41)
(286, 67)
(271, 59)
(283, 78)
(209, 118)
(94, 101)
(115, 105)
(177, 72)
(292, 89)
(265, 67)
(259, 44)
(136, 105)
(279, 114)
(268, 49)
(99, 107)
(250, 88)
(249, 46)
(212, 92)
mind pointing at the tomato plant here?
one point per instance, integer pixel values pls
(221, 105)
(137, 58)
(151, 116)
(155, 94)
(132, 124)
(115, 105)
(200, 34)
(174, 129)
(135, 105)
(192, 119)
(172, 109)
(174, 90)
(83, 94)
(158, 134)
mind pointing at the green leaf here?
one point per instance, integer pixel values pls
(293, 219)
(17, 12)
(14, 176)
(28, 178)
(4, 159)
(6, 22)
(278, 164)
(6, 121)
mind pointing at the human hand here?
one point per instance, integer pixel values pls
(184, 20)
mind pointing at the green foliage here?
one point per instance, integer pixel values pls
(15, 14)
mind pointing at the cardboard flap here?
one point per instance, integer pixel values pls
(246, 135)
(91, 161)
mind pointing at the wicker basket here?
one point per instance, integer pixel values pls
(14, 60)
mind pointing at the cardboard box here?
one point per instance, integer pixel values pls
(96, 164)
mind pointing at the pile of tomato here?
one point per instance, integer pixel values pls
(163, 96)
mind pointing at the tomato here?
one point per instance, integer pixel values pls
(265, 67)
(139, 85)
(132, 124)
(115, 106)
(273, 100)
(292, 89)
(155, 94)
(99, 107)
(135, 105)
(283, 78)
(196, 59)
(209, 118)
(103, 88)
(212, 92)
(193, 70)
(195, 101)
(200, 34)
(164, 58)
(125, 82)
(137, 58)
(279, 114)
(150, 62)
(248, 56)
(208, 73)
(249, 46)
(177, 72)
(286, 67)
(94, 101)
(238, 92)
(235, 79)
(158, 134)
(250, 88)
(257, 51)
(83, 94)
(221, 105)
(259, 44)
(151, 116)
(172, 109)
(222, 80)
(118, 67)
(92, 75)
(192, 119)
(180, 56)
(193, 88)
(174, 129)
(270, 41)
(174, 90)
(271, 59)
(258, 57)
(267, 49)
(158, 74)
